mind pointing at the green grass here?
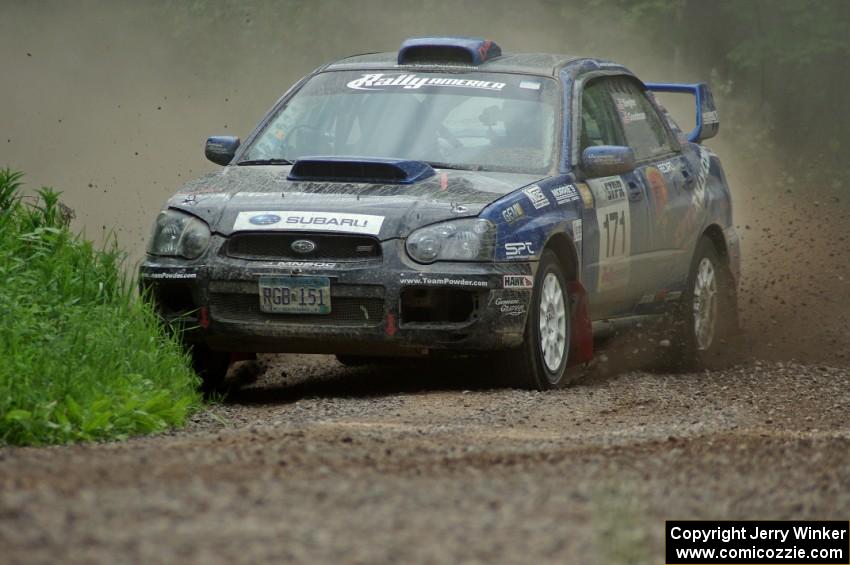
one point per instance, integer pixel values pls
(81, 356)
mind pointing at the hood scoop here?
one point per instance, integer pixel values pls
(360, 169)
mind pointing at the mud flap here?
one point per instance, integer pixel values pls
(204, 317)
(581, 338)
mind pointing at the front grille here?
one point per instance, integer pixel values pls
(345, 311)
(278, 246)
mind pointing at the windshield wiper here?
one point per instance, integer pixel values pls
(438, 165)
(265, 162)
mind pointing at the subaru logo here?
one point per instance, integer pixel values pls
(303, 246)
(264, 219)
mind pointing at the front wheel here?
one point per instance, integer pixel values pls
(706, 322)
(211, 366)
(541, 361)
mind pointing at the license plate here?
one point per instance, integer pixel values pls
(295, 295)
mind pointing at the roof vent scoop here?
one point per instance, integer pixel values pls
(458, 50)
(360, 169)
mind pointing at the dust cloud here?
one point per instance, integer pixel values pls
(110, 102)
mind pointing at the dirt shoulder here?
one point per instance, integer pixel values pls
(319, 463)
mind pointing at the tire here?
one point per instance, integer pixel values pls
(540, 363)
(706, 321)
(211, 366)
(355, 360)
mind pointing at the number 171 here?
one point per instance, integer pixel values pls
(615, 226)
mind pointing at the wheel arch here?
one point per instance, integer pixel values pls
(714, 233)
(565, 250)
(581, 340)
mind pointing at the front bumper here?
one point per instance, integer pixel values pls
(385, 306)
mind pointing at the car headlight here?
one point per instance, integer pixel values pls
(469, 239)
(177, 234)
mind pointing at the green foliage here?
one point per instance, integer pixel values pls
(775, 67)
(82, 357)
(640, 12)
(787, 33)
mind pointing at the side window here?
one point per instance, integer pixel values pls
(641, 123)
(598, 121)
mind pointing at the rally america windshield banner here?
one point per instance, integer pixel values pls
(380, 81)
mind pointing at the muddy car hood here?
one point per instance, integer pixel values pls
(219, 197)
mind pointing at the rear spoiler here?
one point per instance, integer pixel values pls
(706, 118)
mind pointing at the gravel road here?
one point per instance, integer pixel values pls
(316, 462)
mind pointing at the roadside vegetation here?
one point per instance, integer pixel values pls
(81, 356)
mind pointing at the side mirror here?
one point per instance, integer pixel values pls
(607, 160)
(220, 149)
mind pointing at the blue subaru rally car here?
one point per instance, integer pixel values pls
(449, 198)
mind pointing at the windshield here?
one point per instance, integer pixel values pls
(478, 121)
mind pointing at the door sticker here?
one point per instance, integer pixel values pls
(658, 189)
(586, 196)
(612, 216)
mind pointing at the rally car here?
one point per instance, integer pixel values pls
(449, 198)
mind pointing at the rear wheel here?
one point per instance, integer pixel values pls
(706, 322)
(541, 362)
